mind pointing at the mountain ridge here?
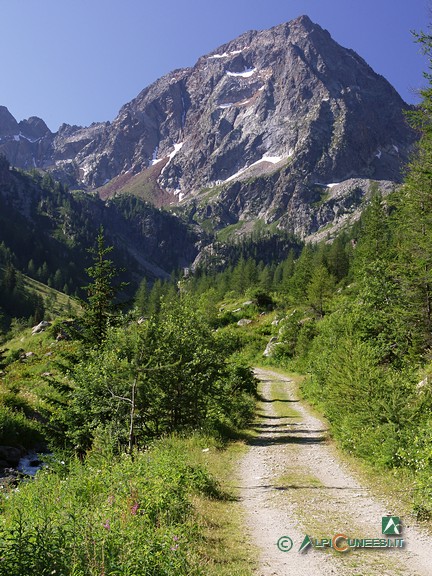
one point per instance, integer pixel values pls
(262, 121)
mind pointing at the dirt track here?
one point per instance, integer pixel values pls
(293, 484)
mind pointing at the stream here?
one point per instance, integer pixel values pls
(30, 464)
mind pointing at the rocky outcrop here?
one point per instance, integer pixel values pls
(41, 327)
(258, 128)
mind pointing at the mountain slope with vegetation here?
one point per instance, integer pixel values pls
(46, 232)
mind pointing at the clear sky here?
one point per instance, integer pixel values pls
(79, 61)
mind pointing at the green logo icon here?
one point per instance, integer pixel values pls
(391, 525)
(306, 542)
(285, 544)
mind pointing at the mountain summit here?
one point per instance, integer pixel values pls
(282, 125)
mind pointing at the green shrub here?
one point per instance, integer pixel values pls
(168, 374)
(261, 298)
(16, 429)
(416, 454)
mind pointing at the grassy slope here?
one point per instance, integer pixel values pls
(31, 363)
(56, 303)
(158, 513)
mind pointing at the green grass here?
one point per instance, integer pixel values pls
(226, 549)
(396, 487)
(170, 510)
(279, 396)
(261, 226)
(229, 231)
(25, 386)
(207, 194)
(56, 303)
(108, 516)
(295, 479)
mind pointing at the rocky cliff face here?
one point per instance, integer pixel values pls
(259, 129)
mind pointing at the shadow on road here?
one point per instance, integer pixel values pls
(286, 438)
(272, 429)
(263, 399)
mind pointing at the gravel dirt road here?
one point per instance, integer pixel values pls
(293, 484)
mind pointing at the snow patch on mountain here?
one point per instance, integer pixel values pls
(177, 148)
(271, 159)
(225, 55)
(247, 73)
(155, 158)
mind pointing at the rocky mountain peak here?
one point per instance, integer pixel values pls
(34, 128)
(259, 128)
(8, 124)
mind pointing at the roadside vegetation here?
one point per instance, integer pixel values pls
(136, 413)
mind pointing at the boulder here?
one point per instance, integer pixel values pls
(40, 327)
(270, 347)
(10, 454)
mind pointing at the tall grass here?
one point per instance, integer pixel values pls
(106, 516)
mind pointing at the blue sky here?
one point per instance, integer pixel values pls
(79, 61)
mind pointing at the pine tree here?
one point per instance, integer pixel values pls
(265, 279)
(58, 279)
(380, 309)
(337, 259)
(299, 281)
(154, 299)
(31, 270)
(239, 283)
(100, 308)
(288, 269)
(9, 280)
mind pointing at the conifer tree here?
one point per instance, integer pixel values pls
(239, 277)
(299, 281)
(154, 298)
(337, 259)
(101, 309)
(414, 223)
(141, 296)
(320, 289)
